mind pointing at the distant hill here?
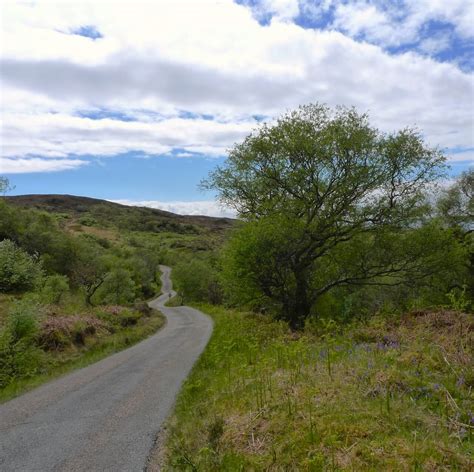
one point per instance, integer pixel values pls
(91, 211)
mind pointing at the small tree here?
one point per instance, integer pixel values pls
(310, 185)
(88, 271)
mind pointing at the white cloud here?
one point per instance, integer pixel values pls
(462, 156)
(158, 59)
(61, 135)
(202, 207)
(403, 22)
(20, 166)
(435, 44)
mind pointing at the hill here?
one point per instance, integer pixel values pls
(91, 211)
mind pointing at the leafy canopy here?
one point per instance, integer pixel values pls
(311, 183)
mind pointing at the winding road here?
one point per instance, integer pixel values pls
(107, 416)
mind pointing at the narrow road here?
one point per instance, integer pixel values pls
(105, 417)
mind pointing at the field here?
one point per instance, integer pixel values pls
(393, 393)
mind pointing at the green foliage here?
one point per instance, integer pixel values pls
(19, 356)
(18, 270)
(54, 288)
(458, 300)
(118, 287)
(456, 204)
(197, 280)
(329, 202)
(44, 260)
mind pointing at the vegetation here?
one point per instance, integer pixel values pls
(388, 393)
(329, 202)
(344, 240)
(38, 343)
(73, 272)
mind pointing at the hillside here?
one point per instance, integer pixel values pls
(102, 211)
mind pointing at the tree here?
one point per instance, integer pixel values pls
(89, 270)
(456, 205)
(310, 185)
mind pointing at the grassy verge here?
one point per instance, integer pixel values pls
(391, 394)
(54, 363)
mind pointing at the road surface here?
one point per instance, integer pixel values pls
(105, 417)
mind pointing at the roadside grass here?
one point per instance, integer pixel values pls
(394, 393)
(84, 349)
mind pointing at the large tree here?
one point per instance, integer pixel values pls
(323, 193)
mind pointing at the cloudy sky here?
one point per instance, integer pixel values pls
(136, 101)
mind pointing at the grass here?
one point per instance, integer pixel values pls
(389, 394)
(95, 348)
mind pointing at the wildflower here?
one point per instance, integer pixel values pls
(460, 382)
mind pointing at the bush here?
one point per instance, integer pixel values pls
(19, 355)
(143, 308)
(18, 270)
(54, 288)
(59, 332)
(129, 318)
(118, 288)
(197, 280)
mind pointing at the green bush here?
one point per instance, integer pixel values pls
(54, 288)
(197, 280)
(19, 355)
(118, 288)
(18, 270)
(129, 318)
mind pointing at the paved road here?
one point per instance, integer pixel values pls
(105, 417)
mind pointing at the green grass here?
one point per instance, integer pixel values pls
(55, 364)
(390, 394)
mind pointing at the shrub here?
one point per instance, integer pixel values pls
(59, 332)
(129, 318)
(197, 280)
(54, 288)
(19, 355)
(18, 270)
(118, 288)
(143, 308)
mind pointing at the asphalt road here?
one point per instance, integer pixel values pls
(105, 417)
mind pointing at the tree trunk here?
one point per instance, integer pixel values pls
(300, 307)
(91, 289)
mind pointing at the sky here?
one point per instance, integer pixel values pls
(137, 101)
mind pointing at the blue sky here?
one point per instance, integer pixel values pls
(127, 176)
(138, 101)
